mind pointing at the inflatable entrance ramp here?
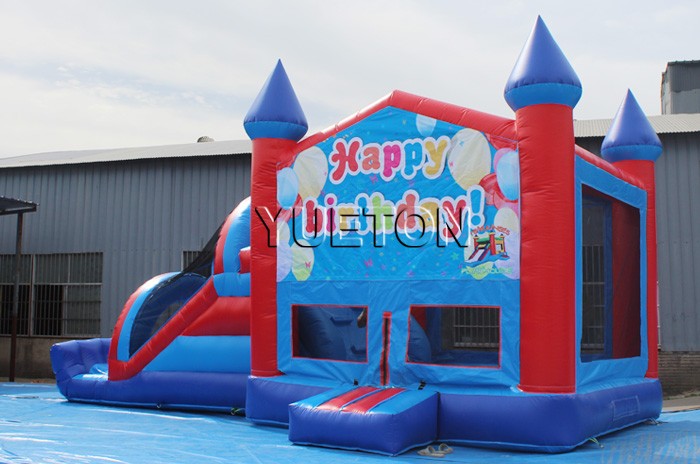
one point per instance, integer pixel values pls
(182, 340)
(381, 420)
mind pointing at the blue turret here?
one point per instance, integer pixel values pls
(630, 136)
(276, 112)
(542, 74)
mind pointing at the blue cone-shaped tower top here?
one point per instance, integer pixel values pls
(276, 112)
(630, 136)
(542, 74)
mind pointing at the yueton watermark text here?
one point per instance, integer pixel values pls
(412, 224)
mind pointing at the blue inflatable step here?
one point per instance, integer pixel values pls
(380, 420)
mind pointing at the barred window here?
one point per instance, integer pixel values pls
(610, 271)
(455, 335)
(59, 295)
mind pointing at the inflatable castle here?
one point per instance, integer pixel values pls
(418, 272)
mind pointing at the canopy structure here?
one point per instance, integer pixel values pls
(18, 207)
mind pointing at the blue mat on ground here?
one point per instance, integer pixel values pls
(38, 426)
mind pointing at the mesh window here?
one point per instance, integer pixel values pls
(337, 333)
(610, 270)
(455, 335)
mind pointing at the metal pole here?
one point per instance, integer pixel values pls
(15, 298)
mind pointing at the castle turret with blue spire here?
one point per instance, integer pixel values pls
(631, 136)
(542, 74)
(275, 123)
(632, 145)
(542, 90)
(276, 112)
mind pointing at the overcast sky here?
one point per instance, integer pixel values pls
(107, 74)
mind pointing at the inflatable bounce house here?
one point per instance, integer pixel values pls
(419, 272)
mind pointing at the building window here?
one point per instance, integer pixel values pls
(188, 257)
(60, 294)
(455, 335)
(610, 272)
(337, 333)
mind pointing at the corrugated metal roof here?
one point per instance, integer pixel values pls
(228, 147)
(662, 124)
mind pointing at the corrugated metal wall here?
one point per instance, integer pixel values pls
(678, 230)
(678, 238)
(141, 214)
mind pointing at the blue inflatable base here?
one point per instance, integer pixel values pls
(269, 397)
(79, 378)
(500, 418)
(546, 423)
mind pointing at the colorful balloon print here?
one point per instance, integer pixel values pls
(425, 125)
(311, 169)
(284, 261)
(302, 260)
(469, 157)
(508, 175)
(287, 187)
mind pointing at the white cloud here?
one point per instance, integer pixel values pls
(85, 74)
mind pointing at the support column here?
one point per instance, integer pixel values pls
(543, 90)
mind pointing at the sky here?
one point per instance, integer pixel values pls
(88, 74)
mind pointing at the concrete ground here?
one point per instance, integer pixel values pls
(686, 402)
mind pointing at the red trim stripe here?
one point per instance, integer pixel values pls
(386, 339)
(343, 399)
(363, 405)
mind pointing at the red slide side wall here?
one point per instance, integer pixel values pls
(195, 307)
(547, 301)
(267, 153)
(228, 315)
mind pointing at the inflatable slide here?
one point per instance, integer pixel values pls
(182, 339)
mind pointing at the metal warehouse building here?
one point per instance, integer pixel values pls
(110, 219)
(107, 221)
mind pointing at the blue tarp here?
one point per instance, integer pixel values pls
(38, 426)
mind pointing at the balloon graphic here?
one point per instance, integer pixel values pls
(490, 186)
(284, 261)
(283, 233)
(302, 260)
(506, 217)
(498, 155)
(311, 168)
(469, 158)
(494, 196)
(287, 187)
(500, 202)
(425, 125)
(508, 175)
